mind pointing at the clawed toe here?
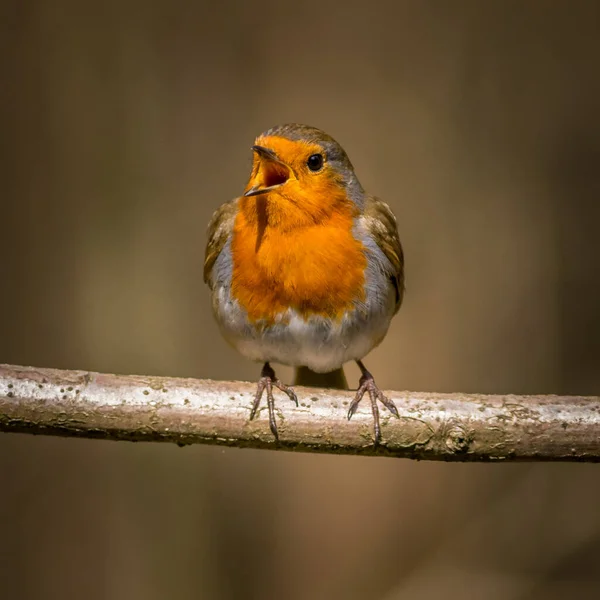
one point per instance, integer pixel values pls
(367, 384)
(265, 384)
(268, 380)
(287, 389)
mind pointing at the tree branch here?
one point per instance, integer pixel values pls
(187, 411)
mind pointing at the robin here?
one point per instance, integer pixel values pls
(305, 268)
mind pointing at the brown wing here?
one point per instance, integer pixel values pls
(381, 224)
(219, 230)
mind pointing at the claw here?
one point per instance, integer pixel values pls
(367, 384)
(265, 383)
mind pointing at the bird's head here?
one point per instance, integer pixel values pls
(301, 175)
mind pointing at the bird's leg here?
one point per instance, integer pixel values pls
(367, 384)
(265, 383)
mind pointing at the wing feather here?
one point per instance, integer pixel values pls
(381, 224)
(219, 231)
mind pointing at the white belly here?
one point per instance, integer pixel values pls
(315, 342)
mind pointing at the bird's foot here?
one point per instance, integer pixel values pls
(367, 384)
(265, 383)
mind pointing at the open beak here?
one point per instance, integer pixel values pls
(272, 173)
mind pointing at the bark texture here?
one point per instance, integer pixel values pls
(453, 427)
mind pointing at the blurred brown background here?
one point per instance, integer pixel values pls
(125, 124)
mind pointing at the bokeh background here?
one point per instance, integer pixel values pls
(125, 124)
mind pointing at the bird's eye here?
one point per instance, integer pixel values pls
(315, 162)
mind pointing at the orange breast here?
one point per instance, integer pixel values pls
(317, 269)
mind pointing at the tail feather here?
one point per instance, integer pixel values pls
(335, 379)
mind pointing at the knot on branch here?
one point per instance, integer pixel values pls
(457, 437)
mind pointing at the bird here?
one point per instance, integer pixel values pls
(305, 268)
